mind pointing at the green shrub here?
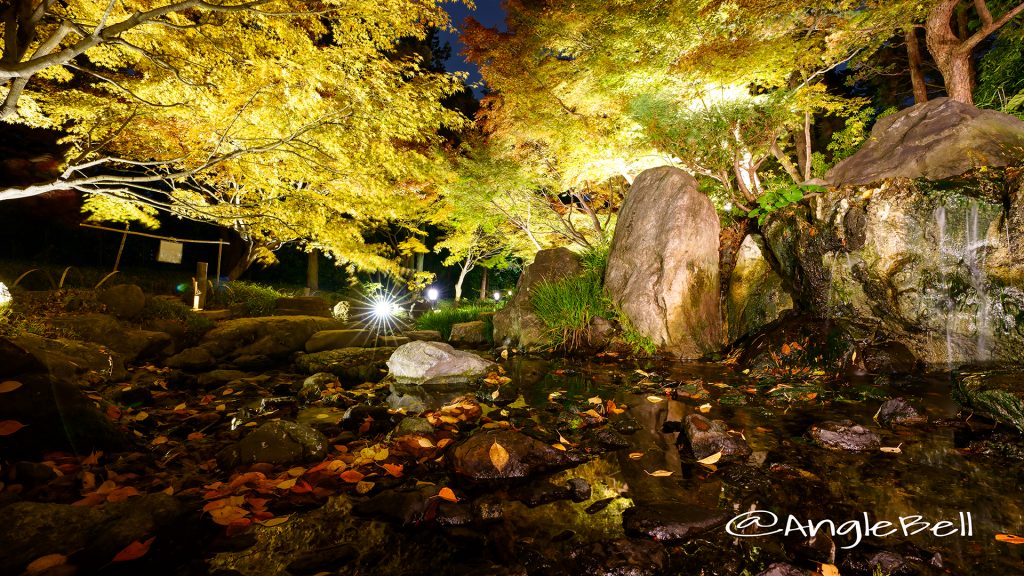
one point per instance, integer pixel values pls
(165, 309)
(255, 299)
(445, 317)
(568, 306)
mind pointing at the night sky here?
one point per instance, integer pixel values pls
(490, 14)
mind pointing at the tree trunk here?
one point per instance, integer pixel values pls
(483, 285)
(313, 272)
(467, 265)
(808, 147)
(244, 261)
(914, 58)
(951, 52)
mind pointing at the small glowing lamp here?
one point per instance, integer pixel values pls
(497, 296)
(728, 206)
(432, 294)
(5, 296)
(384, 308)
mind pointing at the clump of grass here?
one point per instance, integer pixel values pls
(568, 306)
(595, 260)
(165, 309)
(445, 317)
(254, 299)
(637, 342)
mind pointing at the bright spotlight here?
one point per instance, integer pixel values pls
(432, 294)
(384, 308)
(497, 296)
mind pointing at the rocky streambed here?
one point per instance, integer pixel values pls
(534, 466)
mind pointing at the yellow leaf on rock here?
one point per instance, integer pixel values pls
(498, 455)
(660, 473)
(44, 563)
(714, 458)
(704, 408)
(655, 399)
(558, 447)
(636, 455)
(287, 484)
(227, 514)
(274, 521)
(595, 400)
(296, 471)
(180, 407)
(829, 570)
(891, 449)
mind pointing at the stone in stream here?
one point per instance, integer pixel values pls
(519, 455)
(671, 521)
(783, 569)
(662, 267)
(67, 359)
(31, 530)
(898, 411)
(277, 442)
(709, 437)
(216, 378)
(844, 435)
(997, 395)
(351, 365)
(427, 363)
(275, 337)
(622, 557)
(314, 386)
(193, 359)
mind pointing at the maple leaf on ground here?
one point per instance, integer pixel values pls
(134, 551)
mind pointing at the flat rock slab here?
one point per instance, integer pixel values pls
(424, 335)
(671, 521)
(334, 339)
(470, 333)
(278, 442)
(272, 336)
(436, 363)
(935, 140)
(844, 435)
(350, 365)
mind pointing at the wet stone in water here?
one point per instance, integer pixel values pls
(844, 435)
(709, 437)
(671, 521)
(624, 556)
(899, 411)
(783, 569)
(579, 490)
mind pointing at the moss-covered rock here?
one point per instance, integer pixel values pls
(998, 395)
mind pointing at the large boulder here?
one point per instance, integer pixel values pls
(517, 324)
(431, 363)
(123, 300)
(93, 535)
(470, 334)
(71, 359)
(757, 295)
(663, 265)
(935, 140)
(270, 336)
(933, 267)
(132, 343)
(302, 306)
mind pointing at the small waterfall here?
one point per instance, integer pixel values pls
(974, 259)
(947, 303)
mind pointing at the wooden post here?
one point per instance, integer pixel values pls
(220, 251)
(117, 262)
(313, 272)
(201, 282)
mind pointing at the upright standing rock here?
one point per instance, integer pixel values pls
(663, 265)
(756, 295)
(517, 323)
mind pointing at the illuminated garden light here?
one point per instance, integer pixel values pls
(5, 297)
(432, 294)
(383, 310)
(497, 296)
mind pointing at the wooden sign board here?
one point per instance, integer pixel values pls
(170, 252)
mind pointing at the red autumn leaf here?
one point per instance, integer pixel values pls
(113, 412)
(393, 469)
(246, 478)
(134, 551)
(301, 487)
(8, 427)
(365, 426)
(352, 476)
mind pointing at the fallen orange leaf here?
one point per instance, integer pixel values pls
(393, 469)
(447, 494)
(8, 427)
(1010, 538)
(134, 550)
(10, 386)
(45, 563)
(352, 476)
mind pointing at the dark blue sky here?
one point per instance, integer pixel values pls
(489, 13)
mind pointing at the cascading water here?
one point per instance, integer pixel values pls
(947, 302)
